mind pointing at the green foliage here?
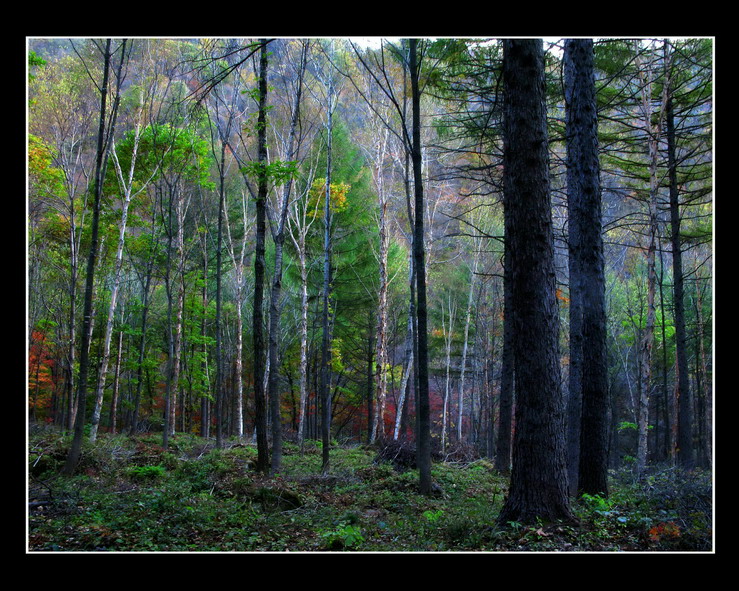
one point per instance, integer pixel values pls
(34, 61)
(45, 179)
(277, 172)
(147, 473)
(433, 516)
(163, 149)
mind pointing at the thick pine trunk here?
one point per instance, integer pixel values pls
(588, 287)
(538, 487)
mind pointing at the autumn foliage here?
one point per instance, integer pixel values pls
(41, 381)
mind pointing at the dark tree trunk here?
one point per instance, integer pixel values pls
(274, 309)
(105, 133)
(538, 487)
(586, 258)
(259, 270)
(685, 414)
(423, 459)
(505, 417)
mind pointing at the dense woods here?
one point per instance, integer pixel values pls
(442, 250)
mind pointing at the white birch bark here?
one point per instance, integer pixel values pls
(468, 314)
(126, 185)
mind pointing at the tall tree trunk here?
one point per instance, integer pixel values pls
(703, 393)
(259, 269)
(175, 332)
(275, 311)
(448, 330)
(586, 244)
(326, 293)
(468, 314)
(538, 487)
(303, 345)
(219, 336)
(684, 417)
(381, 331)
(423, 437)
(73, 271)
(408, 358)
(113, 419)
(653, 134)
(104, 136)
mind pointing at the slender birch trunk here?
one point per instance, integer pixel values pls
(407, 359)
(468, 314)
(126, 185)
(381, 330)
(298, 224)
(116, 385)
(448, 329)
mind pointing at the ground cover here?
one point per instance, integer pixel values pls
(130, 495)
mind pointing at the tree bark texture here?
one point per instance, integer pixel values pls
(586, 255)
(259, 271)
(538, 487)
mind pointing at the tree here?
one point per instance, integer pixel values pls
(62, 107)
(259, 266)
(106, 128)
(587, 279)
(326, 292)
(689, 92)
(538, 486)
(423, 435)
(278, 221)
(125, 179)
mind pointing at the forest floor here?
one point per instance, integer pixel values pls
(130, 495)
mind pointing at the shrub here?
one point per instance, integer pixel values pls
(345, 536)
(146, 472)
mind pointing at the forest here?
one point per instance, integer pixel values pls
(372, 295)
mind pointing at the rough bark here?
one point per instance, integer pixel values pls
(588, 287)
(538, 488)
(259, 271)
(507, 370)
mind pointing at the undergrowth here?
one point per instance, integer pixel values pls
(130, 495)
